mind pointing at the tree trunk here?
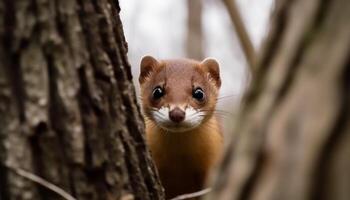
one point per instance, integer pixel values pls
(68, 111)
(242, 34)
(194, 42)
(293, 137)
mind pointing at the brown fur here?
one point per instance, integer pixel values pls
(183, 159)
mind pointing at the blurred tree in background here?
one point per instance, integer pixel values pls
(292, 138)
(194, 42)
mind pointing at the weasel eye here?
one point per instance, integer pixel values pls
(198, 94)
(157, 93)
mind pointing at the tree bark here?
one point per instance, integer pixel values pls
(293, 134)
(68, 110)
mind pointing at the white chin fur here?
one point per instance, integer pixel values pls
(193, 118)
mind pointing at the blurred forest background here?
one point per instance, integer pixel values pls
(162, 29)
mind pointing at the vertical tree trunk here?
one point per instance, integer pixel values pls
(293, 137)
(194, 42)
(68, 110)
(242, 34)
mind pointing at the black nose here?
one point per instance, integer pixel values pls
(177, 115)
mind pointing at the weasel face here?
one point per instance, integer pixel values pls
(179, 95)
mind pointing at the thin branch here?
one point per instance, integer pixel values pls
(243, 36)
(42, 182)
(192, 195)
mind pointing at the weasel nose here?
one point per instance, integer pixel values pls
(177, 115)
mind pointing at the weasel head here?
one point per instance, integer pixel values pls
(180, 94)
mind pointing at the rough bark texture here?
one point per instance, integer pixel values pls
(293, 135)
(68, 110)
(194, 42)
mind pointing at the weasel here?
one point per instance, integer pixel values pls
(184, 136)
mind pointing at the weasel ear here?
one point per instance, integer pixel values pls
(147, 66)
(211, 66)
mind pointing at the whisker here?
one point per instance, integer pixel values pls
(227, 96)
(220, 111)
(158, 114)
(197, 112)
(222, 115)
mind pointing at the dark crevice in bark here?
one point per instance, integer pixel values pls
(320, 182)
(97, 176)
(224, 166)
(9, 23)
(59, 22)
(17, 85)
(270, 50)
(123, 45)
(114, 56)
(308, 38)
(4, 194)
(3, 169)
(140, 146)
(6, 14)
(35, 10)
(84, 104)
(248, 187)
(37, 160)
(131, 162)
(13, 67)
(93, 42)
(56, 114)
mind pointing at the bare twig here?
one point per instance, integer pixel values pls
(42, 182)
(243, 36)
(192, 195)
